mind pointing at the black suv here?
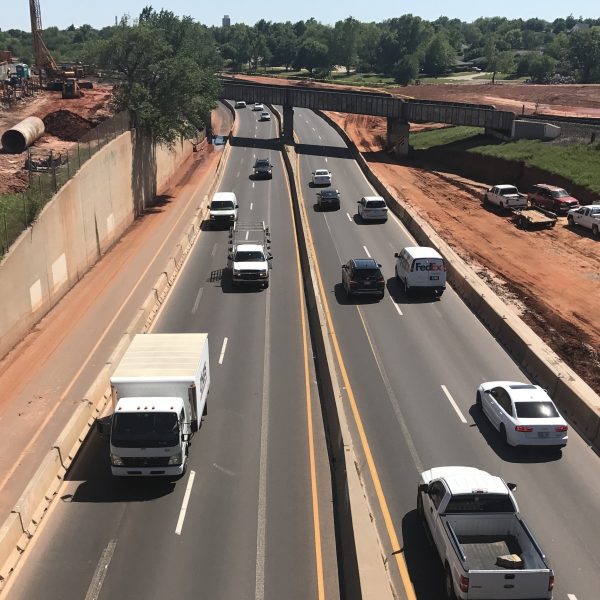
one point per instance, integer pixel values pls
(363, 276)
(262, 169)
(328, 199)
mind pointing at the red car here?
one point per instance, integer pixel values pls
(552, 198)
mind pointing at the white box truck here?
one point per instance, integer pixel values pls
(159, 394)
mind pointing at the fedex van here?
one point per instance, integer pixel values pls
(421, 268)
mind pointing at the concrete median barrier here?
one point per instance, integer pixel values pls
(33, 502)
(579, 403)
(10, 534)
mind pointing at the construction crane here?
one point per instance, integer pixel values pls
(43, 58)
(63, 78)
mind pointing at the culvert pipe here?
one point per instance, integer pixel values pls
(16, 139)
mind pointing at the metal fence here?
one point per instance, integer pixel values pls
(47, 171)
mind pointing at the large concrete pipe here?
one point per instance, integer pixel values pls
(22, 135)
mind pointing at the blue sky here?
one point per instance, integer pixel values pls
(62, 13)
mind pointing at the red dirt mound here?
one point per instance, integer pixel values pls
(67, 125)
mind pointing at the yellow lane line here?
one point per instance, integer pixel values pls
(311, 445)
(383, 505)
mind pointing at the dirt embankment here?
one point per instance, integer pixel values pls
(66, 120)
(552, 277)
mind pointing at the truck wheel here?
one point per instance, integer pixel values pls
(570, 220)
(595, 231)
(478, 401)
(205, 409)
(420, 510)
(449, 585)
(266, 285)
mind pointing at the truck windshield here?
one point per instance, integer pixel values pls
(249, 256)
(145, 430)
(221, 205)
(479, 503)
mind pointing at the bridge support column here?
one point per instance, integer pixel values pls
(288, 124)
(397, 136)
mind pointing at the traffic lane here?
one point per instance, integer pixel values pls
(93, 486)
(466, 364)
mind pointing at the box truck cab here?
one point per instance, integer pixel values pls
(419, 268)
(159, 392)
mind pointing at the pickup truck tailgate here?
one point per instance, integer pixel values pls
(507, 584)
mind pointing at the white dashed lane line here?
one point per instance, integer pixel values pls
(365, 249)
(397, 308)
(349, 217)
(186, 499)
(454, 405)
(223, 351)
(251, 203)
(197, 302)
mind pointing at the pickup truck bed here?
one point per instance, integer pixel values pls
(482, 551)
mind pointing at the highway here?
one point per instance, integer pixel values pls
(412, 366)
(252, 516)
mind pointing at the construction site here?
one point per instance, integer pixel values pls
(65, 101)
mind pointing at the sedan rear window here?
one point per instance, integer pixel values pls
(367, 273)
(375, 203)
(536, 410)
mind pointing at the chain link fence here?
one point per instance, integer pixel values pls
(47, 172)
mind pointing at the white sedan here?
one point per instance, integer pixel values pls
(321, 177)
(523, 413)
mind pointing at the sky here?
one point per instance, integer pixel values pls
(62, 13)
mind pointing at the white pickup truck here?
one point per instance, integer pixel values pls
(586, 216)
(505, 196)
(486, 548)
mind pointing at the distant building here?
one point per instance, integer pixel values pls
(580, 27)
(226, 21)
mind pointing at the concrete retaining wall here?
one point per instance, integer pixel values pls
(73, 231)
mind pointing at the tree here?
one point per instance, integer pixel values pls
(584, 53)
(312, 55)
(406, 69)
(540, 67)
(283, 44)
(439, 56)
(346, 36)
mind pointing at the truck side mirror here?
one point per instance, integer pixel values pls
(230, 256)
(396, 255)
(423, 487)
(511, 486)
(103, 426)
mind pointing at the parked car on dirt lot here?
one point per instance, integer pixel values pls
(363, 276)
(505, 196)
(586, 216)
(523, 413)
(552, 198)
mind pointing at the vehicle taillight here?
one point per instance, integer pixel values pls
(560, 428)
(551, 583)
(464, 583)
(523, 428)
(381, 279)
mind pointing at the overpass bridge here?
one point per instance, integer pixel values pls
(398, 111)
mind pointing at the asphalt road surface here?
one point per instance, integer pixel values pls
(413, 366)
(257, 522)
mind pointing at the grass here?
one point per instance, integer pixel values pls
(442, 137)
(576, 162)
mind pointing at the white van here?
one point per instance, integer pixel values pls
(421, 268)
(223, 209)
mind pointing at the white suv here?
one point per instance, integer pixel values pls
(321, 177)
(372, 208)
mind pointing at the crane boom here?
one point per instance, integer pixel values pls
(43, 58)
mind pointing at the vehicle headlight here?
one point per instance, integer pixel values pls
(175, 459)
(264, 274)
(212, 216)
(237, 272)
(116, 461)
